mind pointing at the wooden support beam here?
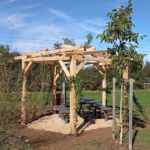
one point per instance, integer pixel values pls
(104, 98)
(42, 59)
(103, 60)
(53, 79)
(65, 69)
(97, 68)
(90, 52)
(27, 67)
(23, 99)
(73, 114)
(103, 71)
(58, 74)
(79, 67)
(47, 52)
(18, 57)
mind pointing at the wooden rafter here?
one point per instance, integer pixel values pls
(42, 59)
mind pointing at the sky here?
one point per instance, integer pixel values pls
(29, 25)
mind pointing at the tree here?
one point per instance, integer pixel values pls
(8, 72)
(119, 32)
(57, 45)
(88, 42)
(66, 41)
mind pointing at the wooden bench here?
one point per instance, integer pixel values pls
(102, 110)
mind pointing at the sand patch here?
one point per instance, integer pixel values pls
(55, 124)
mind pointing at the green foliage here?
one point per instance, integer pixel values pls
(91, 78)
(57, 45)
(68, 41)
(9, 72)
(119, 32)
(88, 42)
(65, 41)
(78, 89)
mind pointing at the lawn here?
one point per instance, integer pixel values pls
(11, 109)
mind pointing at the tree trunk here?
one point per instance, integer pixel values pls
(125, 95)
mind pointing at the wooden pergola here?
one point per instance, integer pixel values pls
(71, 59)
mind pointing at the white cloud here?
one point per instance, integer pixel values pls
(96, 22)
(60, 14)
(13, 21)
(88, 28)
(10, 1)
(31, 6)
(39, 35)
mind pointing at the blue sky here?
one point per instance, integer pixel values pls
(28, 25)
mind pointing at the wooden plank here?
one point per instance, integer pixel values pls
(47, 52)
(18, 57)
(70, 47)
(42, 59)
(103, 60)
(64, 68)
(79, 67)
(90, 52)
(76, 50)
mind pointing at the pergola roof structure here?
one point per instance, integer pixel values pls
(71, 59)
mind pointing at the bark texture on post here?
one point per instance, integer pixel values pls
(131, 115)
(104, 89)
(125, 95)
(73, 114)
(53, 79)
(114, 109)
(23, 99)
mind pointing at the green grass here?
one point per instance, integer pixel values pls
(38, 98)
(143, 138)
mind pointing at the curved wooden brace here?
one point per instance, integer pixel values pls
(26, 70)
(79, 67)
(64, 68)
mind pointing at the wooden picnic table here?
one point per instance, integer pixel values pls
(95, 106)
(86, 101)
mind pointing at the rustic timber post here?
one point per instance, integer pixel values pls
(23, 99)
(64, 90)
(103, 71)
(125, 95)
(25, 70)
(73, 114)
(131, 115)
(53, 79)
(114, 109)
(104, 89)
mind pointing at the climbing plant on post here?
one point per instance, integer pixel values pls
(119, 33)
